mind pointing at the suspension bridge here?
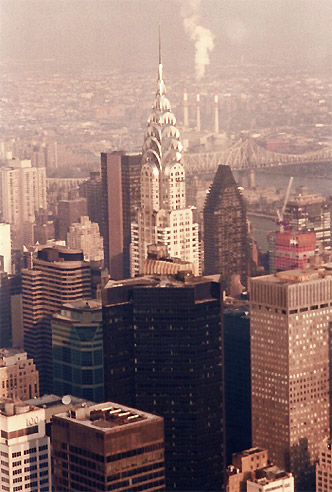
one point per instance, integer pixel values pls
(246, 155)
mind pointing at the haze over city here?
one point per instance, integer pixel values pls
(165, 245)
(122, 33)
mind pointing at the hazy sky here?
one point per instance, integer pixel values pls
(123, 33)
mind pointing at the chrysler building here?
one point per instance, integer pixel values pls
(163, 218)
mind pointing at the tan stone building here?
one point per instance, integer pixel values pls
(108, 447)
(251, 471)
(22, 194)
(85, 235)
(243, 465)
(290, 317)
(19, 377)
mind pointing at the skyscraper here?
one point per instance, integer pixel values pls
(77, 346)
(163, 217)
(237, 379)
(163, 353)
(59, 275)
(108, 447)
(120, 180)
(226, 247)
(290, 315)
(22, 194)
(310, 212)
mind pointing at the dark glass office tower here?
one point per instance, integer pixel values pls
(237, 379)
(226, 247)
(77, 348)
(120, 182)
(174, 370)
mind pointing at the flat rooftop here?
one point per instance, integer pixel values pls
(179, 280)
(305, 199)
(272, 473)
(9, 407)
(297, 275)
(51, 400)
(9, 352)
(249, 452)
(106, 416)
(83, 305)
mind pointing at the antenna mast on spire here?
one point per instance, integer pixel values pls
(161, 85)
(159, 44)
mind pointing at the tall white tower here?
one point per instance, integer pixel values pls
(163, 218)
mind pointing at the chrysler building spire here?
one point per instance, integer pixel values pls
(163, 214)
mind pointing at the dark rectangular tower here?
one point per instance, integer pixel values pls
(237, 379)
(173, 369)
(120, 177)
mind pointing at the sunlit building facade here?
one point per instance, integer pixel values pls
(290, 317)
(163, 217)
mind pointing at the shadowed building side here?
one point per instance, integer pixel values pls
(226, 249)
(163, 352)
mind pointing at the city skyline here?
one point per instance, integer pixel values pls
(102, 297)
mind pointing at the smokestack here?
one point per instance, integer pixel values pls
(185, 108)
(198, 112)
(216, 113)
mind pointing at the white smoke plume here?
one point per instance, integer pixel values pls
(201, 36)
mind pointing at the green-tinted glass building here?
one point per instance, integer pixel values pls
(77, 344)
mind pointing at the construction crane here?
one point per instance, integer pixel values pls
(281, 221)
